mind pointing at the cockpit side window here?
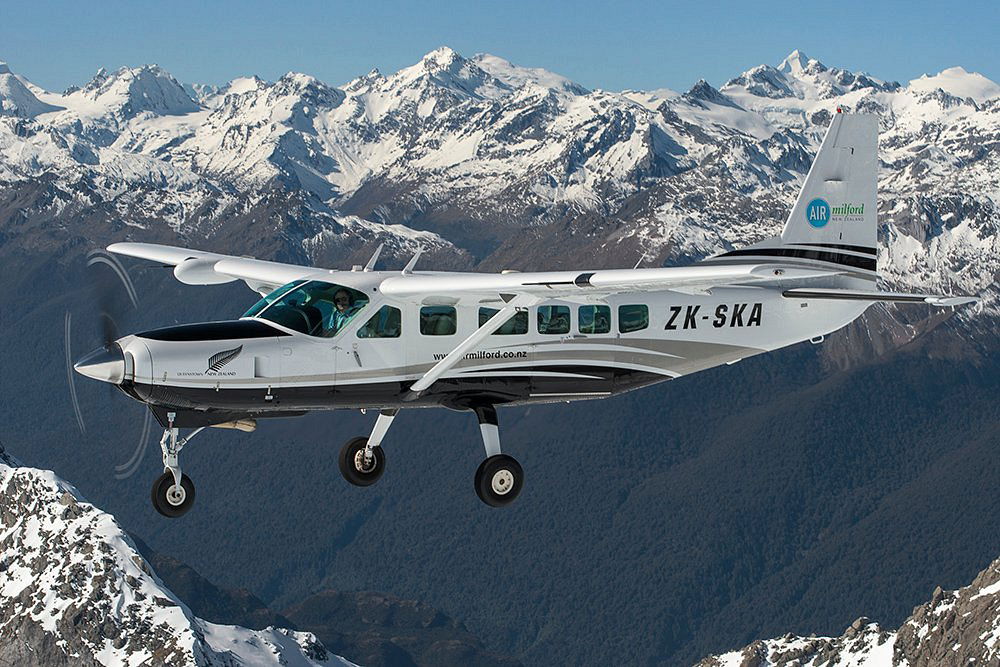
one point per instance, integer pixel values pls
(271, 298)
(314, 308)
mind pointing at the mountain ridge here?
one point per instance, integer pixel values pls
(74, 590)
(960, 627)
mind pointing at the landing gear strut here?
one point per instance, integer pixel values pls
(499, 478)
(173, 492)
(362, 460)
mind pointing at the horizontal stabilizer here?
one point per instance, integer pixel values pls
(888, 297)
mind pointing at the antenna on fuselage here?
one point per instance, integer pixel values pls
(371, 262)
(413, 262)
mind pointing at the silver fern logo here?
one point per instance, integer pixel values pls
(219, 360)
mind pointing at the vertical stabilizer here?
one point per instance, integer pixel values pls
(836, 208)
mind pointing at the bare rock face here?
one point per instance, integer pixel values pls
(74, 591)
(954, 628)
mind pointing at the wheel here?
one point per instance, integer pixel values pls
(169, 500)
(498, 480)
(353, 466)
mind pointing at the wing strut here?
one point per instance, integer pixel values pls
(371, 262)
(412, 263)
(515, 302)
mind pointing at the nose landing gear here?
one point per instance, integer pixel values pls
(173, 491)
(170, 499)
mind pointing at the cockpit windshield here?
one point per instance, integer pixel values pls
(314, 308)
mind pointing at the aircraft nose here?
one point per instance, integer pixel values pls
(106, 364)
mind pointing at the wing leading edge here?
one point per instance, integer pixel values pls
(197, 267)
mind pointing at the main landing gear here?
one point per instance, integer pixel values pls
(173, 492)
(498, 480)
(362, 460)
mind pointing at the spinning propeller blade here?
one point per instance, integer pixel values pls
(113, 296)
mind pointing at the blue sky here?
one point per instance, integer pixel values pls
(610, 45)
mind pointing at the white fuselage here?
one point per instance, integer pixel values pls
(683, 333)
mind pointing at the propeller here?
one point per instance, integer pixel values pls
(113, 296)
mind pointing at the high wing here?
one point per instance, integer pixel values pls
(196, 267)
(556, 284)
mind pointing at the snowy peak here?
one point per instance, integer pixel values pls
(958, 82)
(795, 62)
(703, 92)
(443, 57)
(445, 69)
(16, 99)
(518, 77)
(309, 89)
(72, 584)
(762, 81)
(130, 91)
(804, 78)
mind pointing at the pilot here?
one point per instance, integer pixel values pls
(344, 310)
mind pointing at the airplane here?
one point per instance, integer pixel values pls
(322, 339)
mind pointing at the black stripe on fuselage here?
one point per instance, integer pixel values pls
(447, 392)
(837, 246)
(227, 330)
(852, 261)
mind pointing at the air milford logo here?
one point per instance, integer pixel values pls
(219, 360)
(819, 213)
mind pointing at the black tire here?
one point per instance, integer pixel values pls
(352, 463)
(163, 503)
(499, 480)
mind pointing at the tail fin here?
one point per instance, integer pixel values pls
(836, 208)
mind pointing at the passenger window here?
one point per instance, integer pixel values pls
(383, 324)
(594, 319)
(516, 325)
(438, 321)
(632, 318)
(553, 319)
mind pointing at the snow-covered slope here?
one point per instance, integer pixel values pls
(954, 628)
(958, 82)
(16, 99)
(74, 591)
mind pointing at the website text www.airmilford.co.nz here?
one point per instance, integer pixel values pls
(490, 354)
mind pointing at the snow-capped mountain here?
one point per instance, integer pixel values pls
(74, 590)
(16, 99)
(959, 627)
(518, 167)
